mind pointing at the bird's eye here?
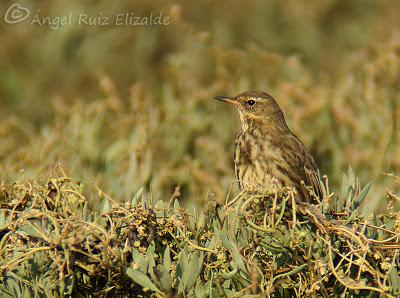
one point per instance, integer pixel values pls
(251, 102)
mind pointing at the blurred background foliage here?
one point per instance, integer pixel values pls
(126, 107)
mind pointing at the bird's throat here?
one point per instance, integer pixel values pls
(264, 123)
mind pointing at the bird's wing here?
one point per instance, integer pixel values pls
(311, 174)
(306, 167)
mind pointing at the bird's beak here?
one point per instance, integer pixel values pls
(227, 99)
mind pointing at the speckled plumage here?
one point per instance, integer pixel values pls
(266, 149)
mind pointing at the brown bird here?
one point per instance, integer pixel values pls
(266, 150)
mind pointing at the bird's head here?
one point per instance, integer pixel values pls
(255, 106)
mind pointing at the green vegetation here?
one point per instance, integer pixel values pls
(130, 111)
(52, 245)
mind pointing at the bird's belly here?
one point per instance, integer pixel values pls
(255, 176)
(256, 163)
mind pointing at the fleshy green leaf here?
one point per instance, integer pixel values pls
(394, 280)
(142, 280)
(361, 196)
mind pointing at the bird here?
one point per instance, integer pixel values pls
(267, 152)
